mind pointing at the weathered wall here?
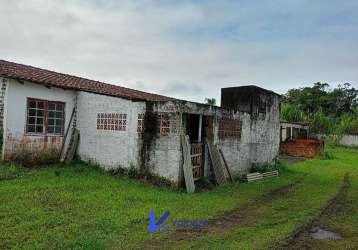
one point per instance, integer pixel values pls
(260, 134)
(166, 156)
(349, 140)
(15, 122)
(259, 142)
(110, 149)
(113, 149)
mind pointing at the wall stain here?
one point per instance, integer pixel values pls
(149, 136)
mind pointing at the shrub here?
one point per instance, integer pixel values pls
(262, 168)
(135, 173)
(30, 158)
(320, 123)
(326, 155)
(204, 184)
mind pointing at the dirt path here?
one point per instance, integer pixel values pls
(301, 238)
(245, 215)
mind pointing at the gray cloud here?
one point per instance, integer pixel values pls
(164, 46)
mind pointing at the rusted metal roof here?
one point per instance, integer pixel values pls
(23, 72)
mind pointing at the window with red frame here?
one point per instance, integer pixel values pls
(111, 121)
(45, 117)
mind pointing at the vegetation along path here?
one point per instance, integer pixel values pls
(245, 215)
(81, 207)
(306, 236)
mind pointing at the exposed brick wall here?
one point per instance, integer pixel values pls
(303, 148)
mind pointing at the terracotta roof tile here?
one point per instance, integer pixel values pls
(51, 78)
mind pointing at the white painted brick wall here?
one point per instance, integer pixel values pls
(259, 142)
(110, 149)
(16, 108)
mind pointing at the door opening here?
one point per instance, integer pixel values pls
(198, 128)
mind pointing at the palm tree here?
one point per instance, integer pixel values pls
(210, 101)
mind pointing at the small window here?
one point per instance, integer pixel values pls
(164, 124)
(111, 121)
(45, 117)
(229, 128)
(140, 125)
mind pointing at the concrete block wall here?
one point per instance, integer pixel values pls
(259, 142)
(110, 149)
(113, 149)
(166, 155)
(349, 140)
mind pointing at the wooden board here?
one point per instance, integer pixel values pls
(63, 150)
(259, 176)
(217, 163)
(72, 147)
(226, 166)
(196, 155)
(254, 177)
(269, 174)
(187, 166)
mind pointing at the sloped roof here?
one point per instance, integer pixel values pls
(50, 78)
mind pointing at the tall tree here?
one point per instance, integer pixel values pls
(322, 107)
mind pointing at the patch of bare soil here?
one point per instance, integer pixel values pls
(245, 215)
(309, 235)
(291, 159)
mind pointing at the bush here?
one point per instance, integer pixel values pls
(321, 124)
(326, 155)
(135, 173)
(262, 168)
(204, 184)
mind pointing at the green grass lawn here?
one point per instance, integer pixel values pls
(84, 208)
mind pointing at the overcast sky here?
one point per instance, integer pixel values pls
(186, 49)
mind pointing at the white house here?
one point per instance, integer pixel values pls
(120, 127)
(293, 130)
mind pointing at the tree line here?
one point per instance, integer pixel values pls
(327, 110)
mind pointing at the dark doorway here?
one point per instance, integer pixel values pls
(193, 128)
(198, 128)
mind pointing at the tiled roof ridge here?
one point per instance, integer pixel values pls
(67, 81)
